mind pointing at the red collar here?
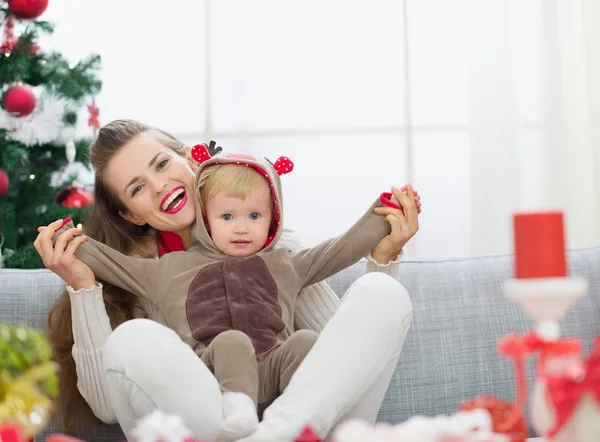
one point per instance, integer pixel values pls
(168, 242)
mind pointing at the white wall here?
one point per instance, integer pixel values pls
(324, 82)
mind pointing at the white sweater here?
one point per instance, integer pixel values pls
(91, 326)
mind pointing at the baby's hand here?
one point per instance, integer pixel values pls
(417, 198)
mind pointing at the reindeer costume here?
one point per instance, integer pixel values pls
(204, 293)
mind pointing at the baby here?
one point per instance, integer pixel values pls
(231, 296)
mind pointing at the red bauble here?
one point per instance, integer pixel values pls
(506, 419)
(74, 197)
(308, 435)
(3, 182)
(27, 9)
(19, 100)
(12, 433)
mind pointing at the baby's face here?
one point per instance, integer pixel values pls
(240, 227)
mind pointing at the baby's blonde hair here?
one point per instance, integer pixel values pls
(235, 180)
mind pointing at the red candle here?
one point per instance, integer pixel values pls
(539, 245)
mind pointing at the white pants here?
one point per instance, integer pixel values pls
(345, 375)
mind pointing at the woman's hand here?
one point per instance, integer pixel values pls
(404, 225)
(60, 258)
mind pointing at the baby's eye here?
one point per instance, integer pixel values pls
(226, 217)
(254, 216)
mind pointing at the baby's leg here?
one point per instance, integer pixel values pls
(278, 367)
(232, 359)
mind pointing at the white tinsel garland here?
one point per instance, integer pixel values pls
(472, 425)
(160, 427)
(44, 125)
(83, 175)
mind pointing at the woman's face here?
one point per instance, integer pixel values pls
(154, 183)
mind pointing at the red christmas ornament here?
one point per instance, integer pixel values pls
(74, 197)
(27, 9)
(19, 100)
(505, 419)
(308, 435)
(12, 433)
(9, 36)
(93, 120)
(3, 182)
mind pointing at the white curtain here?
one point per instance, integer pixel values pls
(534, 94)
(487, 106)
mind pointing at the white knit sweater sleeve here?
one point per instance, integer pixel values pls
(91, 328)
(317, 303)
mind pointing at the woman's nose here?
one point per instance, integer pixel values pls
(158, 184)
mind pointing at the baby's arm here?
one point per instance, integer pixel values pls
(142, 277)
(331, 256)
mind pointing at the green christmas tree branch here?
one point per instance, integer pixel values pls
(31, 199)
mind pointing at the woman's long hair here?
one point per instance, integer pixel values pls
(105, 224)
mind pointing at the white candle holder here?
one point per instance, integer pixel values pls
(546, 300)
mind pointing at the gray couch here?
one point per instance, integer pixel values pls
(450, 354)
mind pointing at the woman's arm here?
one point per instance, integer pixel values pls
(391, 267)
(91, 328)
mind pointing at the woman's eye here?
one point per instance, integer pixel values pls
(162, 164)
(136, 189)
(226, 217)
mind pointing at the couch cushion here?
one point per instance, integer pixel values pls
(26, 296)
(460, 313)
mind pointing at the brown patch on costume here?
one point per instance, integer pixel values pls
(237, 293)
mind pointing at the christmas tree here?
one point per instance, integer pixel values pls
(42, 96)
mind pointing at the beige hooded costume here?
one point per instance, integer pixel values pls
(203, 292)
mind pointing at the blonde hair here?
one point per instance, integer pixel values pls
(236, 181)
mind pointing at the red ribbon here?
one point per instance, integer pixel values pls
(517, 348)
(565, 392)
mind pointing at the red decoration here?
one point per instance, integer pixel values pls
(283, 165)
(308, 435)
(9, 36)
(12, 433)
(19, 100)
(4, 182)
(502, 413)
(27, 9)
(74, 197)
(93, 121)
(565, 391)
(539, 245)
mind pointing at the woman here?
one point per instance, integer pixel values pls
(117, 368)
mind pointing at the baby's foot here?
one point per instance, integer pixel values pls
(240, 417)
